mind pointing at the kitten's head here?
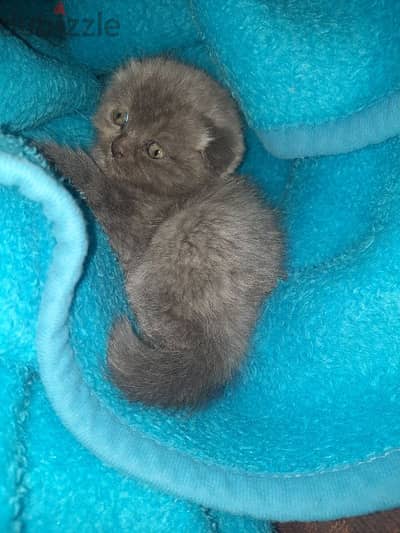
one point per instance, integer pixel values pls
(167, 127)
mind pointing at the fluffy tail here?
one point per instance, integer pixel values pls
(166, 379)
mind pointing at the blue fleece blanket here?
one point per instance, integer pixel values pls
(310, 428)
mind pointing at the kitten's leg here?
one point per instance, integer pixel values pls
(104, 200)
(78, 166)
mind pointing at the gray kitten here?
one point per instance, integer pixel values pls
(199, 248)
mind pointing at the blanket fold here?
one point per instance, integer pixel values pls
(47, 479)
(309, 429)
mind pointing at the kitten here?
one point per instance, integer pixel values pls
(199, 248)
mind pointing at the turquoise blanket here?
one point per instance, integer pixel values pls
(310, 428)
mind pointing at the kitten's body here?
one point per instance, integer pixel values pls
(199, 248)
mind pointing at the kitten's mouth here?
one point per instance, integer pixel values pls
(115, 159)
(125, 165)
(112, 163)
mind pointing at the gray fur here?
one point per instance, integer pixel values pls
(200, 249)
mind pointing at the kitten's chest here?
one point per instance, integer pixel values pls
(130, 220)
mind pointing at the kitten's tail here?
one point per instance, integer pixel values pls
(162, 378)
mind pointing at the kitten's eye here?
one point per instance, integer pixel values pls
(154, 150)
(119, 117)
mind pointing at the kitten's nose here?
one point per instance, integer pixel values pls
(118, 146)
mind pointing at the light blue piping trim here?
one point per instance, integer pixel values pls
(369, 126)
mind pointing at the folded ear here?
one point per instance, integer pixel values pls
(222, 147)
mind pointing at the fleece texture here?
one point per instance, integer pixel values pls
(137, 29)
(44, 93)
(309, 429)
(300, 66)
